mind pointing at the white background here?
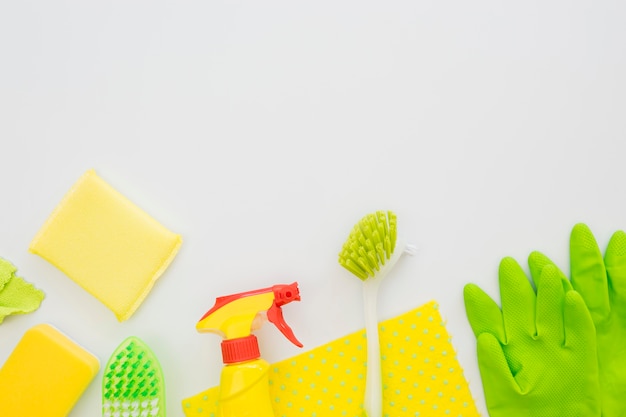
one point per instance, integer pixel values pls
(261, 131)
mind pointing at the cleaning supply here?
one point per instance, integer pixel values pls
(106, 244)
(371, 250)
(421, 374)
(45, 375)
(536, 355)
(244, 386)
(16, 295)
(133, 383)
(601, 281)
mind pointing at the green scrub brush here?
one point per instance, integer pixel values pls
(370, 252)
(132, 385)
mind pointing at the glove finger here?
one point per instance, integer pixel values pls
(550, 299)
(588, 271)
(537, 261)
(580, 331)
(499, 385)
(615, 261)
(518, 300)
(483, 313)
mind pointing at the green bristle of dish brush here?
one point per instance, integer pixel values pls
(369, 245)
(130, 376)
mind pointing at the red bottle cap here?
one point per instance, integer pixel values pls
(240, 350)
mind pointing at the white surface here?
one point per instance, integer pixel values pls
(263, 130)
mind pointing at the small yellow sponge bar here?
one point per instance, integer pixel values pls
(45, 375)
(106, 244)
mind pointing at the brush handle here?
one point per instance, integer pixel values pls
(373, 384)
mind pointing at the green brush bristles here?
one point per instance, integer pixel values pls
(370, 244)
(132, 384)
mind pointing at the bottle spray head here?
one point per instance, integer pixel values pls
(235, 316)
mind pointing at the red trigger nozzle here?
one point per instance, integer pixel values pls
(286, 293)
(283, 294)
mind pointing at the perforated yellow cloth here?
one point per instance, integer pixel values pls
(421, 375)
(106, 244)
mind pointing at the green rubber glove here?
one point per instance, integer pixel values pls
(536, 355)
(602, 284)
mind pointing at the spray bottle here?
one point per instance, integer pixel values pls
(244, 385)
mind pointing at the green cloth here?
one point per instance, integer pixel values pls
(16, 295)
(536, 355)
(602, 284)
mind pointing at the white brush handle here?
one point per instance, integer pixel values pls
(373, 401)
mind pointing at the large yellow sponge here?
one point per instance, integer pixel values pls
(106, 244)
(45, 374)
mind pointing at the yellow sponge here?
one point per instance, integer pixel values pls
(106, 244)
(45, 375)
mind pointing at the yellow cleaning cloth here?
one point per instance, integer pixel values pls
(106, 244)
(45, 375)
(16, 295)
(421, 375)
